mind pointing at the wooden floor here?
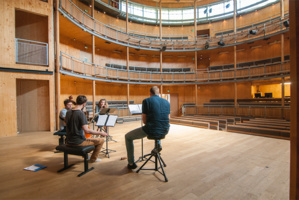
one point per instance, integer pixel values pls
(201, 164)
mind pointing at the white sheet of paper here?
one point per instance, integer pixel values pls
(134, 109)
(102, 120)
(111, 120)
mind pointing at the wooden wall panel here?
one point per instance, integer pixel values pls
(8, 102)
(33, 108)
(223, 91)
(7, 34)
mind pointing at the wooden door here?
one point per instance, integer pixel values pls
(174, 105)
(33, 109)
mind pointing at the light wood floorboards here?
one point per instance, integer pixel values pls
(201, 164)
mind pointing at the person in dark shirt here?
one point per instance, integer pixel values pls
(155, 116)
(76, 125)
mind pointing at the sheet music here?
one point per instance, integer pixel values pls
(101, 120)
(111, 120)
(135, 109)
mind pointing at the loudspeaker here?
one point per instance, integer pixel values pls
(253, 32)
(207, 45)
(286, 23)
(221, 43)
(163, 48)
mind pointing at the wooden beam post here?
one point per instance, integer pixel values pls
(57, 64)
(294, 51)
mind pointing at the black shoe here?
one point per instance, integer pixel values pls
(134, 166)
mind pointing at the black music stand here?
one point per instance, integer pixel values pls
(106, 111)
(136, 109)
(108, 121)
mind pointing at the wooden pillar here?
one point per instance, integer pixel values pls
(93, 61)
(128, 94)
(161, 90)
(235, 57)
(294, 62)
(160, 33)
(196, 95)
(57, 64)
(128, 51)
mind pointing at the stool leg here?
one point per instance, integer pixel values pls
(85, 166)
(166, 180)
(144, 163)
(66, 166)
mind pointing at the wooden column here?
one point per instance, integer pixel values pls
(235, 57)
(57, 74)
(294, 51)
(196, 97)
(128, 51)
(161, 90)
(93, 61)
(128, 94)
(160, 33)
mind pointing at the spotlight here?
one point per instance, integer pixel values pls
(207, 45)
(227, 6)
(253, 32)
(221, 43)
(205, 11)
(210, 10)
(163, 48)
(286, 23)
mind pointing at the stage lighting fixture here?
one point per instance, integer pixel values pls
(221, 43)
(207, 45)
(205, 11)
(227, 6)
(163, 48)
(286, 23)
(253, 32)
(210, 11)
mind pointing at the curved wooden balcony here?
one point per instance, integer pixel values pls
(75, 67)
(116, 35)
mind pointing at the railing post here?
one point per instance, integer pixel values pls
(17, 54)
(60, 56)
(106, 73)
(47, 54)
(117, 73)
(95, 70)
(83, 68)
(265, 110)
(150, 76)
(72, 63)
(249, 111)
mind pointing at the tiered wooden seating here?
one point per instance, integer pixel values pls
(211, 122)
(259, 126)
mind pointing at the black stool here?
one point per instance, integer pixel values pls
(76, 150)
(158, 159)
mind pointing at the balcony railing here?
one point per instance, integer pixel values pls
(239, 110)
(76, 67)
(112, 34)
(31, 52)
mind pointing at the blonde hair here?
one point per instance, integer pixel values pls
(106, 103)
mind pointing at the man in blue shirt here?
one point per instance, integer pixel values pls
(155, 116)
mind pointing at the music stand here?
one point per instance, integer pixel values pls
(108, 121)
(136, 109)
(106, 111)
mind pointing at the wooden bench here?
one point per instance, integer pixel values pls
(80, 151)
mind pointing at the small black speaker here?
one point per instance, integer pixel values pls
(163, 48)
(253, 32)
(207, 45)
(286, 23)
(221, 43)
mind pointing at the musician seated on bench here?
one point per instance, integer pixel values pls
(67, 106)
(76, 125)
(155, 116)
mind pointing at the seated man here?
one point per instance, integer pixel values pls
(76, 125)
(67, 106)
(155, 116)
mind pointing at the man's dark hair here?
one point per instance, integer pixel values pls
(154, 90)
(66, 101)
(81, 99)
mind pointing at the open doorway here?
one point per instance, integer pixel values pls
(33, 109)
